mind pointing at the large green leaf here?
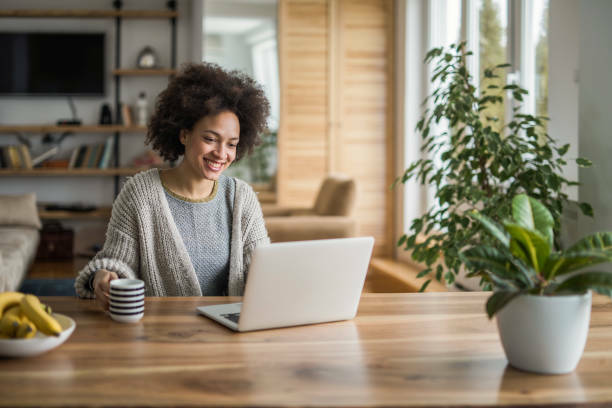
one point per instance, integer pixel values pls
(583, 281)
(571, 261)
(535, 245)
(517, 250)
(492, 227)
(494, 264)
(599, 240)
(498, 300)
(529, 213)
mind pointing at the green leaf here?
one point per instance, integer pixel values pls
(402, 239)
(590, 250)
(586, 209)
(492, 227)
(535, 245)
(574, 260)
(599, 240)
(425, 285)
(582, 162)
(517, 250)
(531, 214)
(561, 151)
(496, 264)
(498, 300)
(584, 281)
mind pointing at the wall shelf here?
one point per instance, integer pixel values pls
(144, 72)
(80, 129)
(89, 13)
(121, 171)
(99, 213)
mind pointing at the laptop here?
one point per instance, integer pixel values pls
(298, 283)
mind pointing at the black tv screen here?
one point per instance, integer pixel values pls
(49, 64)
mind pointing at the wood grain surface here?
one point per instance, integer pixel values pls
(421, 349)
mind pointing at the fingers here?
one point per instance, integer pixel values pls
(102, 287)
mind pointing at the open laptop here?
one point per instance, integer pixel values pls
(296, 283)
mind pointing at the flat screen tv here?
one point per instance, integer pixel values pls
(52, 64)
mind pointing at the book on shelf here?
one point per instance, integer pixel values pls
(73, 157)
(94, 157)
(14, 159)
(107, 153)
(126, 115)
(81, 150)
(24, 156)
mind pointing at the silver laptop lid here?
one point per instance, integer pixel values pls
(304, 282)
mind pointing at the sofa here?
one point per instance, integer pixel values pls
(329, 217)
(19, 237)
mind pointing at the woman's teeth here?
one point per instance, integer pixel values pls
(214, 165)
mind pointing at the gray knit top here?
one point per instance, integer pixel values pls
(143, 241)
(206, 228)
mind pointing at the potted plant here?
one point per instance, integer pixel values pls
(474, 162)
(541, 296)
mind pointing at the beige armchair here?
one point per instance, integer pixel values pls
(330, 217)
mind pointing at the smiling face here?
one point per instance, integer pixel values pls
(210, 147)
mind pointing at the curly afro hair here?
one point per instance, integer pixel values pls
(201, 90)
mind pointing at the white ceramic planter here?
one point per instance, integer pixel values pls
(545, 334)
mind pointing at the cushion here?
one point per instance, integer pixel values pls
(336, 197)
(19, 210)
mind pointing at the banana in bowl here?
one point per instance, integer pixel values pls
(28, 328)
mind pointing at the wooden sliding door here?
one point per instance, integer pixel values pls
(336, 59)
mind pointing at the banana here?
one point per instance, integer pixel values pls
(30, 305)
(26, 330)
(11, 320)
(8, 299)
(46, 308)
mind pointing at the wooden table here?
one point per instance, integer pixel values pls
(429, 349)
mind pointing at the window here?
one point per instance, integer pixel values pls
(496, 31)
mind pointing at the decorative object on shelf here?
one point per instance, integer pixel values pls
(471, 165)
(141, 105)
(541, 296)
(106, 117)
(56, 242)
(148, 159)
(126, 115)
(147, 58)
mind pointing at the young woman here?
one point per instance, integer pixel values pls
(188, 230)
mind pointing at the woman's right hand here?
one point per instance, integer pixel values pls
(101, 285)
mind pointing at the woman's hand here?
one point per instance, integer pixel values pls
(101, 285)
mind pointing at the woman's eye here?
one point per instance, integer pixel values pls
(209, 139)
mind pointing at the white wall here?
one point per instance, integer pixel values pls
(564, 34)
(595, 112)
(28, 110)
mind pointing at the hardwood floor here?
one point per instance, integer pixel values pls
(63, 269)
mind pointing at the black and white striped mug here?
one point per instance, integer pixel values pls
(126, 300)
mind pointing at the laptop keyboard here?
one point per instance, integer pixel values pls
(232, 316)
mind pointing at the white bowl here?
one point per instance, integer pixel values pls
(38, 344)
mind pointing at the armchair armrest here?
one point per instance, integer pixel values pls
(272, 210)
(309, 227)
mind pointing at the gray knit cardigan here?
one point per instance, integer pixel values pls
(142, 241)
